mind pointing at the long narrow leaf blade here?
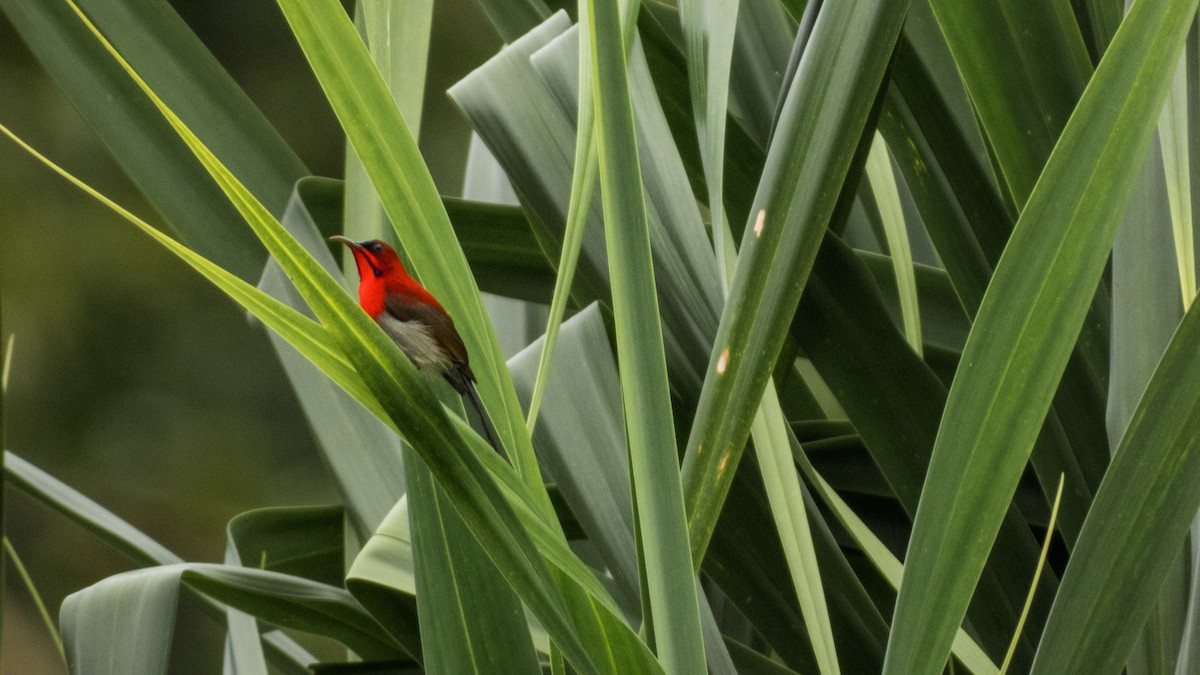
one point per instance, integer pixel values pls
(1025, 330)
(1024, 69)
(810, 155)
(658, 495)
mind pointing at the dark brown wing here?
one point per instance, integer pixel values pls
(440, 325)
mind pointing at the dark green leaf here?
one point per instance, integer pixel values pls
(1025, 329)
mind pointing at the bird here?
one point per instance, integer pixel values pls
(415, 321)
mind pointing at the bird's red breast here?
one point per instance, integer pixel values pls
(382, 277)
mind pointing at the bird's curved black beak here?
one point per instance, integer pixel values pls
(360, 252)
(354, 245)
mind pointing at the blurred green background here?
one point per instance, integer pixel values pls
(133, 380)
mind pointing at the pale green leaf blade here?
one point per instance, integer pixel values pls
(709, 28)
(1174, 135)
(583, 182)
(769, 431)
(1145, 312)
(581, 441)
(882, 559)
(397, 35)
(140, 642)
(887, 197)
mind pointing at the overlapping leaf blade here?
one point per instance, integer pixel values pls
(1025, 329)
(811, 151)
(1143, 509)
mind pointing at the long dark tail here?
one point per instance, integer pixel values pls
(489, 431)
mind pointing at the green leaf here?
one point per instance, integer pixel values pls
(501, 248)
(162, 47)
(1024, 66)
(689, 294)
(1174, 136)
(1024, 331)
(292, 602)
(510, 107)
(383, 579)
(887, 197)
(131, 542)
(895, 403)
(888, 565)
(709, 29)
(124, 622)
(507, 103)
(304, 541)
(397, 36)
(658, 497)
(471, 621)
(1143, 509)
(944, 325)
(770, 430)
(762, 46)
(969, 226)
(300, 541)
(583, 183)
(805, 170)
(581, 440)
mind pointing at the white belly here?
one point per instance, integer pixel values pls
(417, 342)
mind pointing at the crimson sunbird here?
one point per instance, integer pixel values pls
(415, 321)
